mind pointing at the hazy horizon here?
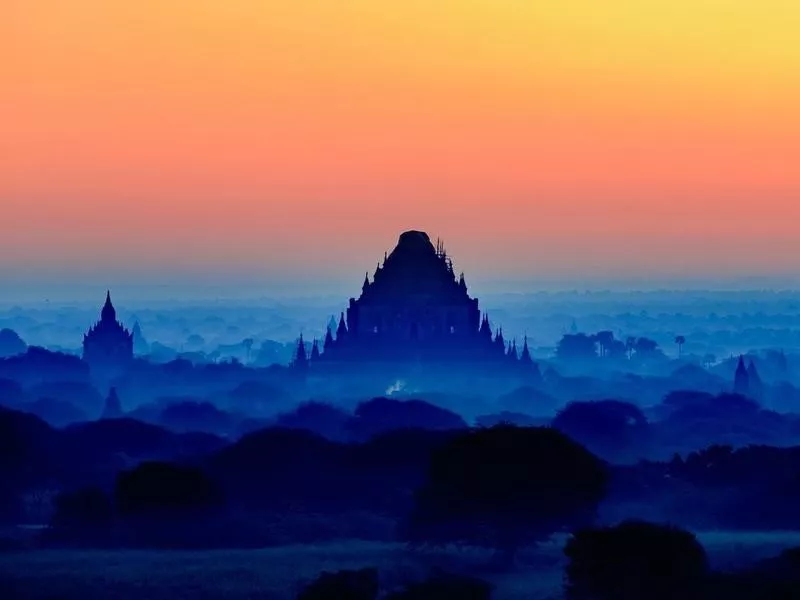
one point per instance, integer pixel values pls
(259, 289)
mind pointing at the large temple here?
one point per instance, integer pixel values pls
(107, 344)
(415, 309)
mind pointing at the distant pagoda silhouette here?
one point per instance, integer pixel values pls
(108, 345)
(416, 309)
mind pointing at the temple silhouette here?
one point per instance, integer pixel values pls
(107, 345)
(747, 381)
(415, 309)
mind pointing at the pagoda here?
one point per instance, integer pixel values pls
(416, 309)
(107, 344)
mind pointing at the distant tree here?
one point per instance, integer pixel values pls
(578, 346)
(605, 341)
(442, 586)
(630, 346)
(617, 349)
(680, 341)
(165, 489)
(633, 561)
(647, 349)
(86, 509)
(11, 344)
(528, 400)
(504, 487)
(506, 418)
(605, 426)
(343, 585)
(247, 344)
(385, 414)
(191, 415)
(321, 418)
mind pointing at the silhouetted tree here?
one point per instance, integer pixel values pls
(385, 414)
(604, 340)
(11, 344)
(506, 486)
(321, 418)
(630, 346)
(646, 347)
(680, 341)
(247, 344)
(84, 516)
(579, 346)
(343, 585)
(442, 586)
(633, 561)
(605, 426)
(165, 489)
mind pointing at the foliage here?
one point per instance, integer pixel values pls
(604, 426)
(442, 585)
(634, 560)
(158, 488)
(506, 486)
(343, 585)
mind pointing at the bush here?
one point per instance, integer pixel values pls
(443, 586)
(343, 585)
(635, 560)
(155, 488)
(506, 486)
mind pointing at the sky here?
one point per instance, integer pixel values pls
(260, 142)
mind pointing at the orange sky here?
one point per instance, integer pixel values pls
(575, 138)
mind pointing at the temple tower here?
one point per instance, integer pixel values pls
(107, 346)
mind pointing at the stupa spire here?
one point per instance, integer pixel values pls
(108, 313)
(301, 358)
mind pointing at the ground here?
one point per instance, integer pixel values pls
(277, 573)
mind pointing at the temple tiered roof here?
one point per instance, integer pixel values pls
(416, 308)
(108, 343)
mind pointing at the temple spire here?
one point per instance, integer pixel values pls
(366, 281)
(315, 350)
(512, 350)
(741, 380)
(341, 331)
(526, 354)
(108, 313)
(486, 329)
(328, 343)
(301, 358)
(498, 339)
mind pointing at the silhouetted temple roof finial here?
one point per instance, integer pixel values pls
(108, 313)
(341, 331)
(741, 380)
(301, 358)
(526, 354)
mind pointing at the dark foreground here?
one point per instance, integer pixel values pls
(280, 572)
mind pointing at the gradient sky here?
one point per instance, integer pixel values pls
(270, 139)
